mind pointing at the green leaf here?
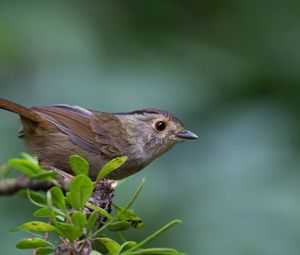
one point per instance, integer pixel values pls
(91, 222)
(119, 226)
(81, 189)
(33, 201)
(68, 198)
(46, 175)
(99, 246)
(31, 158)
(58, 199)
(79, 165)
(26, 166)
(111, 245)
(38, 197)
(99, 209)
(127, 245)
(111, 166)
(44, 251)
(69, 231)
(46, 213)
(50, 207)
(79, 219)
(32, 243)
(42, 213)
(129, 216)
(37, 226)
(93, 252)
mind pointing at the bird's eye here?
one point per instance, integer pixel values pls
(160, 125)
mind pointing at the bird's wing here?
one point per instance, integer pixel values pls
(108, 130)
(97, 132)
(73, 121)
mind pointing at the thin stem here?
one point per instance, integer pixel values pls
(153, 236)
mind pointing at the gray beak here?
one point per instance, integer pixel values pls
(186, 134)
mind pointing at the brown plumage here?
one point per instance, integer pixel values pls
(53, 133)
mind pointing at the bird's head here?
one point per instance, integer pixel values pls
(155, 131)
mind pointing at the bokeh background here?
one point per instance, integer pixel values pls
(228, 69)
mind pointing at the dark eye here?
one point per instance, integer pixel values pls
(160, 125)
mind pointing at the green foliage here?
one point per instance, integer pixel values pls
(58, 199)
(32, 243)
(29, 166)
(67, 218)
(111, 166)
(129, 217)
(81, 189)
(37, 226)
(79, 165)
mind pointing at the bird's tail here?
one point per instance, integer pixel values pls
(25, 113)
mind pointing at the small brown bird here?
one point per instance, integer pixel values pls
(53, 133)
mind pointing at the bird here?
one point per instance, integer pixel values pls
(54, 133)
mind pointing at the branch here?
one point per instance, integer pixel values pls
(12, 186)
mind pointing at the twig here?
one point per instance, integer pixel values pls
(12, 186)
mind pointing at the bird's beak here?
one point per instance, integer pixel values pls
(186, 134)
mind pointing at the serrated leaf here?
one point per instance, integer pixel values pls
(44, 251)
(69, 231)
(81, 188)
(79, 165)
(37, 226)
(32, 243)
(111, 166)
(111, 245)
(58, 198)
(79, 219)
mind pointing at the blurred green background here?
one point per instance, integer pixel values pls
(228, 69)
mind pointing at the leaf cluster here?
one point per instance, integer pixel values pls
(67, 219)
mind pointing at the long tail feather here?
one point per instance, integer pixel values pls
(19, 109)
